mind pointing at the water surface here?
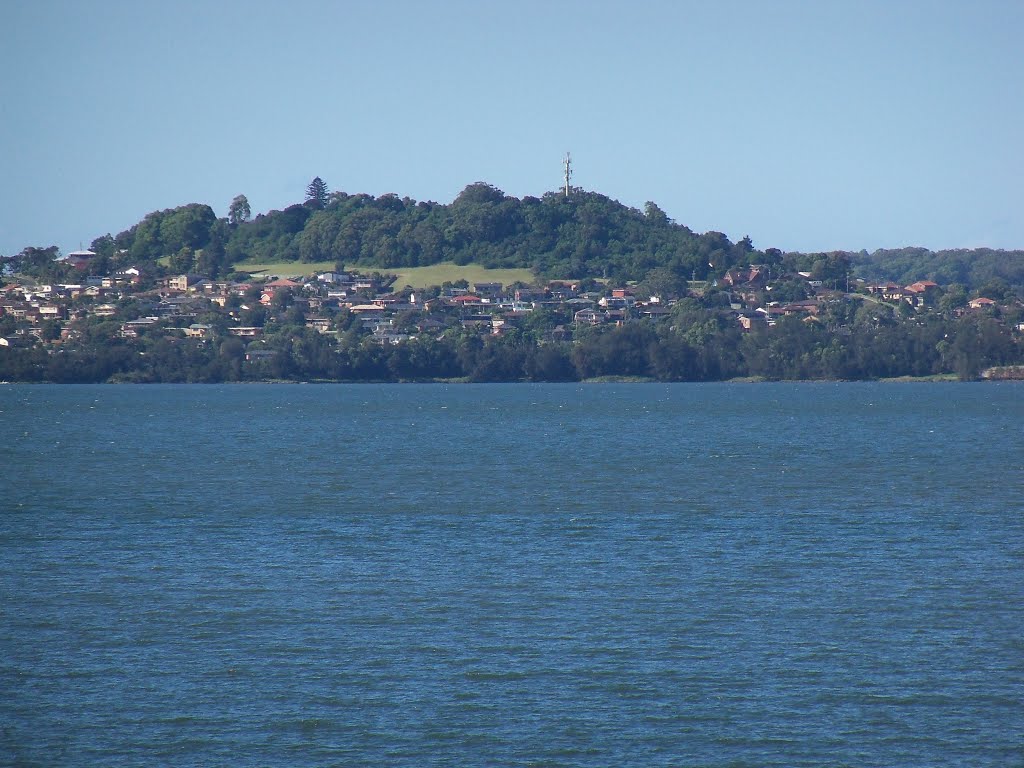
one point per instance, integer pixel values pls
(520, 575)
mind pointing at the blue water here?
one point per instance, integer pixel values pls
(512, 575)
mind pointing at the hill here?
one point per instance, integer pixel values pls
(580, 235)
(583, 235)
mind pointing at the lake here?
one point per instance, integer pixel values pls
(786, 574)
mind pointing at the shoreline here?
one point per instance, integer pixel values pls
(935, 379)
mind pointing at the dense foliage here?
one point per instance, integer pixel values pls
(991, 272)
(583, 235)
(698, 341)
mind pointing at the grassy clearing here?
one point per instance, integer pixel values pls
(417, 277)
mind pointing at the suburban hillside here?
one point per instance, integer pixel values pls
(580, 287)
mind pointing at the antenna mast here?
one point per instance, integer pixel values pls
(568, 172)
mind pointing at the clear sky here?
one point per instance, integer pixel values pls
(810, 125)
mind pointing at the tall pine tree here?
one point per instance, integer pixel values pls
(316, 194)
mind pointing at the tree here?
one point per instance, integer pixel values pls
(654, 213)
(954, 297)
(317, 194)
(104, 246)
(239, 211)
(664, 283)
(183, 261)
(479, 192)
(212, 260)
(38, 262)
(50, 330)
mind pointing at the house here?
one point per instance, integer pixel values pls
(490, 290)
(391, 300)
(881, 288)
(560, 289)
(182, 283)
(213, 288)
(132, 328)
(332, 277)
(429, 325)
(981, 303)
(173, 305)
(199, 331)
(900, 294)
(274, 287)
(79, 259)
(477, 321)
(923, 286)
(366, 284)
(758, 275)
(105, 310)
(588, 317)
(528, 294)
(367, 310)
(465, 300)
(808, 307)
(16, 309)
(617, 302)
(755, 274)
(813, 282)
(655, 312)
(130, 273)
(502, 324)
(734, 276)
(52, 312)
(321, 324)
(750, 320)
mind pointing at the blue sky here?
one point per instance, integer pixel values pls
(805, 125)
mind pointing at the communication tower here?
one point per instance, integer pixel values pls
(568, 171)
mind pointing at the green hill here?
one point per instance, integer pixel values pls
(583, 235)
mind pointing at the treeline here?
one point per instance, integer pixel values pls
(696, 344)
(993, 273)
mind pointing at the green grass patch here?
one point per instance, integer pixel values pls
(416, 277)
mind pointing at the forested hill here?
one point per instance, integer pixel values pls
(584, 234)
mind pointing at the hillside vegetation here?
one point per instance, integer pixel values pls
(582, 235)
